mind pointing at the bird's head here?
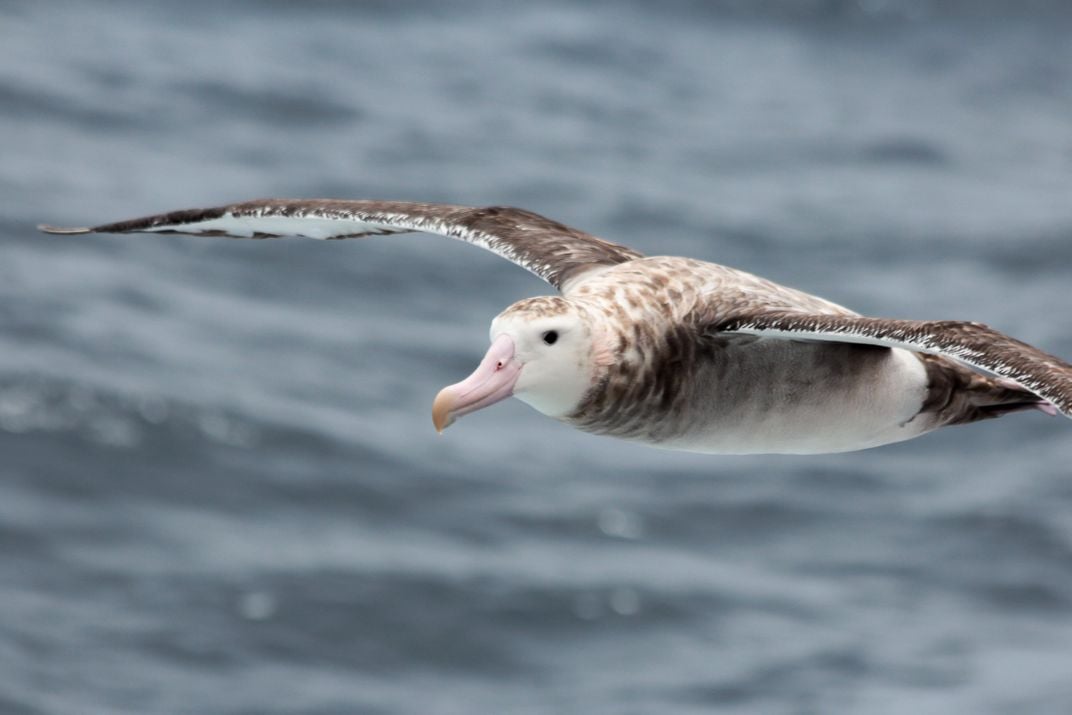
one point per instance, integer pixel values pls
(544, 351)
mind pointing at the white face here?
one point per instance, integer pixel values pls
(555, 357)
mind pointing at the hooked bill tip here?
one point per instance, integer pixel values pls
(441, 408)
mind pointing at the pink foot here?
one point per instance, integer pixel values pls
(1046, 407)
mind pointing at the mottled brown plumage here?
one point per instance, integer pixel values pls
(694, 355)
(672, 325)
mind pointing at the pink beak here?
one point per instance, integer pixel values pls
(492, 381)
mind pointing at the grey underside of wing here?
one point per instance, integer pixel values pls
(551, 250)
(974, 344)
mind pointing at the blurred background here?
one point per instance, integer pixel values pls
(220, 491)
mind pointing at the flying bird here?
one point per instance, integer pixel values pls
(676, 352)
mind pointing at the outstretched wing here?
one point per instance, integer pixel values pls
(549, 249)
(975, 344)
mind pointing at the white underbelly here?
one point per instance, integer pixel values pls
(853, 412)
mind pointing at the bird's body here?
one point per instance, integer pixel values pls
(681, 353)
(669, 384)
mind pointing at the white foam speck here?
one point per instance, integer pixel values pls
(620, 524)
(257, 605)
(625, 601)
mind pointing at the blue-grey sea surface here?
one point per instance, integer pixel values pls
(220, 490)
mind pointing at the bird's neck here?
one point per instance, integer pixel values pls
(638, 371)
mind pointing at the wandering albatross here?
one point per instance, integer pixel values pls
(676, 352)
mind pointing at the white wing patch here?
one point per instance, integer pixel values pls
(551, 250)
(248, 226)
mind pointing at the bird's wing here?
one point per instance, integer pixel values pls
(975, 344)
(549, 249)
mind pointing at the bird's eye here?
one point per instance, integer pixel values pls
(550, 337)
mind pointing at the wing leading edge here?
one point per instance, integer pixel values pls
(551, 250)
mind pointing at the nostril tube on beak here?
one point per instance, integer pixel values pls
(492, 381)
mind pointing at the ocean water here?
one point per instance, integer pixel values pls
(220, 491)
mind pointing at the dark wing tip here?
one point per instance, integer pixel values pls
(60, 231)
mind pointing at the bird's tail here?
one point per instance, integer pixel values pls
(958, 395)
